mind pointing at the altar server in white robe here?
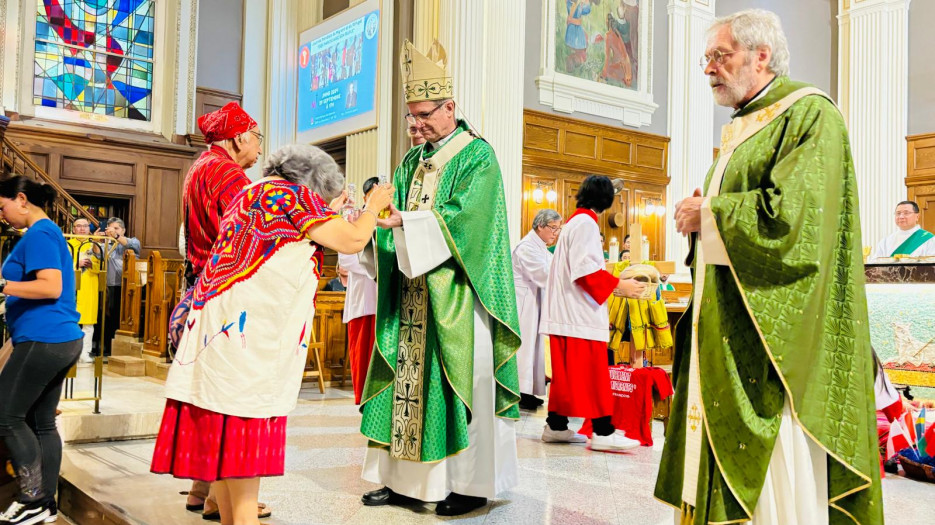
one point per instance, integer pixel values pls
(360, 307)
(909, 239)
(531, 261)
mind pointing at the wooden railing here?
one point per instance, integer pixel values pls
(164, 277)
(131, 298)
(64, 209)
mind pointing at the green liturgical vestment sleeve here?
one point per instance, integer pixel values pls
(785, 321)
(471, 213)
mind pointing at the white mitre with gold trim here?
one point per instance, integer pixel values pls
(424, 76)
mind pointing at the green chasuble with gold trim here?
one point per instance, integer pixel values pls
(417, 397)
(785, 320)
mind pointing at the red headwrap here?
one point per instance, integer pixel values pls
(225, 123)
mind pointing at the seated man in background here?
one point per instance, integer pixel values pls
(339, 283)
(910, 239)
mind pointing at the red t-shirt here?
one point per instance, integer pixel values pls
(211, 184)
(633, 400)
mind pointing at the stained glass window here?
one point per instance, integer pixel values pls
(95, 56)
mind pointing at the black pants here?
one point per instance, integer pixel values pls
(602, 425)
(112, 322)
(30, 388)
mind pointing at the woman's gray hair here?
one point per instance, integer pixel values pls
(753, 28)
(309, 166)
(544, 217)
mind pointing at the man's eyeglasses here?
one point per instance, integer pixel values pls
(419, 118)
(258, 136)
(904, 213)
(555, 229)
(717, 56)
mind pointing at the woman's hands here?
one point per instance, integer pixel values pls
(379, 198)
(338, 201)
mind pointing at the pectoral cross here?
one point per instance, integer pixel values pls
(694, 417)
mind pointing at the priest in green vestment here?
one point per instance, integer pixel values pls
(442, 391)
(909, 239)
(773, 416)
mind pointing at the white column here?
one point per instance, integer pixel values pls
(11, 41)
(256, 68)
(424, 23)
(485, 46)
(691, 113)
(873, 87)
(282, 47)
(186, 42)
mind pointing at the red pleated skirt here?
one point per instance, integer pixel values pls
(360, 338)
(195, 443)
(580, 379)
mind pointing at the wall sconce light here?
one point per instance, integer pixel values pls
(654, 207)
(548, 193)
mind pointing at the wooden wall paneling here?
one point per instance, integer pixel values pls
(530, 206)
(920, 176)
(566, 150)
(653, 226)
(565, 143)
(208, 100)
(144, 169)
(105, 171)
(162, 211)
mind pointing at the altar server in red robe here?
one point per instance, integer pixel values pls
(576, 319)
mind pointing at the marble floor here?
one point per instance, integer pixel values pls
(559, 484)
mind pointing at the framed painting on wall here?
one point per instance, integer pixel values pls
(597, 59)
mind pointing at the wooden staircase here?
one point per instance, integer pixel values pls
(64, 209)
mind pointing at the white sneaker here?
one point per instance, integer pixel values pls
(561, 436)
(85, 358)
(614, 441)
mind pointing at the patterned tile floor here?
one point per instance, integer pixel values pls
(559, 484)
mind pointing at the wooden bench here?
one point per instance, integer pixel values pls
(164, 277)
(131, 300)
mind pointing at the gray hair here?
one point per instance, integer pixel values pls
(309, 166)
(118, 221)
(544, 217)
(753, 28)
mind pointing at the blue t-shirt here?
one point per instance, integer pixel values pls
(43, 247)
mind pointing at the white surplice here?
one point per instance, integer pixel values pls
(489, 465)
(888, 245)
(361, 297)
(531, 262)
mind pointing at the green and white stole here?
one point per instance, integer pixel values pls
(917, 239)
(409, 386)
(738, 131)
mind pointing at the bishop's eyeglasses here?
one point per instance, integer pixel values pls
(419, 118)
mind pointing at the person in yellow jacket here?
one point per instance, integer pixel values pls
(86, 256)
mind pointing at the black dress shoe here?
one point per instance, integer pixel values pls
(458, 504)
(528, 402)
(385, 496)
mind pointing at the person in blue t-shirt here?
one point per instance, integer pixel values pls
(39, 283)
